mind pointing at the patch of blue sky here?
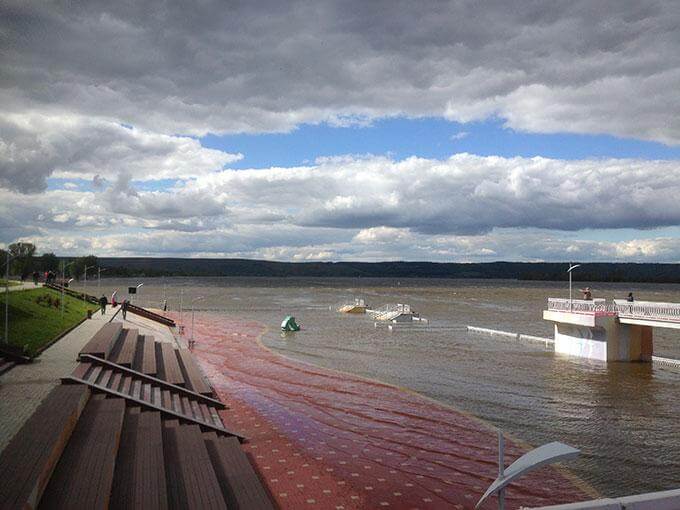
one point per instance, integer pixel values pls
(86, 184)
(434, 138)
(625, 234)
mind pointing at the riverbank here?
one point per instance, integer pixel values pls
(36, 319)
(335, 440)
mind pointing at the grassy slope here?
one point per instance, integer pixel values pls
(33, 324)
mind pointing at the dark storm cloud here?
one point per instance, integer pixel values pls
(606, 67)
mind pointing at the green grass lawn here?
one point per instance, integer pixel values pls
(35, 317)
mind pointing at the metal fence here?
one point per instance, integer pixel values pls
(650, 310)
(580, 305)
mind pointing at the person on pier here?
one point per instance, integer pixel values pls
(587, 294)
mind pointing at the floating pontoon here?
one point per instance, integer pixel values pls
(359, 306)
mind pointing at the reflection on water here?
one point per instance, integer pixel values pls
(622, 415)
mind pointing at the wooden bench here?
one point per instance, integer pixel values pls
(240, 484)
(84, 475)
(145, 357)
(102, 342)
(29, 459)
(126, 348)
(192, 482)
(168, 364)
(139, 481)
(192, 373)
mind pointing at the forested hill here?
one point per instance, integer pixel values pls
(669, 273)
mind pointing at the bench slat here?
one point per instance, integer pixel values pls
(192, 373)
(102, 342)
(84, 475)
(240, 484)
(29, 459)
(192, 482)
(145, 357)
(126, 348)
(139, 481)
(168, 364)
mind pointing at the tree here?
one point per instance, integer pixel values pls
(23, 258)
(78, 267)
(49, 262)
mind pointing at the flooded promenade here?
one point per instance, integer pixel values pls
(332, 440)
(622, 416)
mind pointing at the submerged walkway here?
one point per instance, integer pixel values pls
(325, 439)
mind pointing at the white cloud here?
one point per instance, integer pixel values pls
(371, 208)
(464, 194)
(35, 146)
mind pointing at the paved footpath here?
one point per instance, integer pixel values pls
(25, 386)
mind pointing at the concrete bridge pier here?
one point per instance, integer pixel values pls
(600, 336)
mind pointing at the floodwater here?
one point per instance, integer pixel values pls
(623, 416)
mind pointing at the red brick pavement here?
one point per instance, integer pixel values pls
(330, 440)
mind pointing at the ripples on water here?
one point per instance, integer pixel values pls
(622, 415)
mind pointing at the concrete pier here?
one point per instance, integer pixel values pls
(600, 337)
(616, 331)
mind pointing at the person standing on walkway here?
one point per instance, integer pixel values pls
(102, 303)
(630, 297)
(124, 307)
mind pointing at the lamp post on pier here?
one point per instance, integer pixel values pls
(191, 341)
(571, 268)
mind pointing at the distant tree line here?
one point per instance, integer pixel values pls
(547, 271)
(24, 262)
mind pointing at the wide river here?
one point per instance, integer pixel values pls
(623, 416)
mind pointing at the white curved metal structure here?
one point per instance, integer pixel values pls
(546, 454)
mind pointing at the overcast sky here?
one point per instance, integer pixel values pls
(443, 131)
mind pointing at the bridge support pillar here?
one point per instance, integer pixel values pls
(600, 337)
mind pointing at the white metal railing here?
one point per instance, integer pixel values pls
(389, 312)
(650, 310)
(580, 305)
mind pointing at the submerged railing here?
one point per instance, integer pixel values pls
(650, 310)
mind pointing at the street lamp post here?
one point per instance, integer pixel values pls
(6, 337)
(63, 284)
(85, 283)
(181, 295)
(191, 341)
(138, 286)
(571, 268)
(99, 279)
